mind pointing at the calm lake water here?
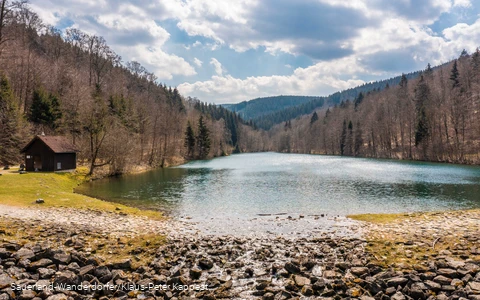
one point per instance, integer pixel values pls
(229, 193)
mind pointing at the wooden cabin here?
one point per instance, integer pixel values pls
(50, 154)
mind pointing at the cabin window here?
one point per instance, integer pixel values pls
(59, 165)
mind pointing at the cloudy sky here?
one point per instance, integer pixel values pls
(229, 51)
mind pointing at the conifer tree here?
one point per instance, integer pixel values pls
(422, 124)
(203, 139)
(428, 71)
(314, 118)
(358, 140)
(343, 137)
(189, 142)
(45, 109)
(403, 81)
(358, 100)
(454, 76)
(476, 61)
(8, 123)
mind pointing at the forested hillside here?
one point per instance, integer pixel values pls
(73, 84)
(434, 117)
(269, 118)
(262, 106)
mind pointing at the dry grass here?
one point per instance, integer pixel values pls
(380, 218)
(140, 249)
(398, 240)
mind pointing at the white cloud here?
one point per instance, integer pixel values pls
(462, 36)
(219, 69)
(319, 79)
(462, 3)
(132, 28)
(129, 27)
(197, 62)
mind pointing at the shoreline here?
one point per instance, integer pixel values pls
(393, 259)
(434, 255)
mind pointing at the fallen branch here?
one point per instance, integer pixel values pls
(434, 242)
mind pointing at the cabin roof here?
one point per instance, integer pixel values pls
(58, 144)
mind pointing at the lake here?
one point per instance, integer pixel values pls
(252, 192)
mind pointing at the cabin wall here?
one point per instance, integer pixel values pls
(68, 161)
(39, 156)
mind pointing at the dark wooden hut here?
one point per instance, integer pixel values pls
(50, 154)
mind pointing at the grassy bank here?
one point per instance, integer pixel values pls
(57, 191)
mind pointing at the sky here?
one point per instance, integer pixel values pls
(231, 51)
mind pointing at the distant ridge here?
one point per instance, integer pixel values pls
(269, 111)
(258, 107)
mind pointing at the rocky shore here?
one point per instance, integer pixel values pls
(429, 256)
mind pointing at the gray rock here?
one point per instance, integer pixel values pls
(4, 253)
(27, 295)
(417, 293)
(66, 277)
(292, 268)
(398, 296)
(249, 272)
(447, 273)
(448, 288)
(301, 281)
(390, 290)
(262, 285)
(396, 281)
(58, 297)
(5, 281)
(86, 270)
(455, 264)
(442, 297)
(475, 286)
(330, 274)
(442, 280)
(205, 264)
(359, 271)
(433, 285)
(25, 253)
(319, 284)
(42, 263)
(195, 273)
(317, 271)
(268, 296)
(307, 290)
(122, 264)
(62, 258)
(45, 273)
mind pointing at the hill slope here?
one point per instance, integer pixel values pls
(266, 112)
(433, 117)
(262, 106)
(73, 84)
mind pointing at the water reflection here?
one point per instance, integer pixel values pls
(241, 187)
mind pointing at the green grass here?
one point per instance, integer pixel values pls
(57, 191)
